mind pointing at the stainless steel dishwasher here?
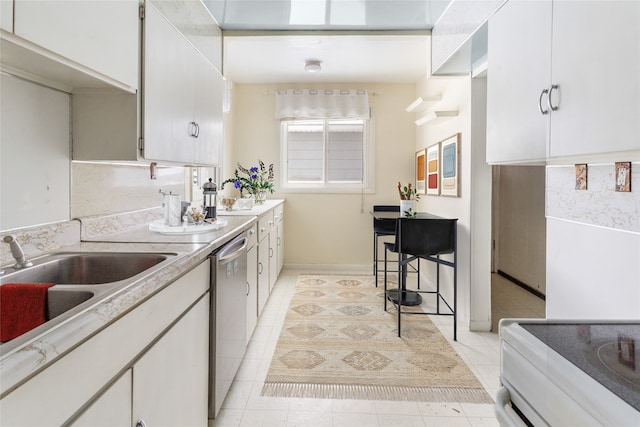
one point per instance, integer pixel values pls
(227, 336)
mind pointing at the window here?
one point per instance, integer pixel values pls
(327, 155)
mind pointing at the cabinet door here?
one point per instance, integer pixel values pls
(263, 273)
(207, 87)
(280, 244)
(598, 77)
(273, 258)
(101, 35)
(113, 408)
(168, 91)
(6, 15)
(519, 62)
(170, 380)
(252, 290)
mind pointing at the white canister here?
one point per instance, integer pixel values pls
(172, 210)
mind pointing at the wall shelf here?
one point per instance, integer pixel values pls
(423, 102)
(436, 116)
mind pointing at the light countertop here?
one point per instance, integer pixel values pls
(42, 346)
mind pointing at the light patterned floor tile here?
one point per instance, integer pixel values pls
(245, 407)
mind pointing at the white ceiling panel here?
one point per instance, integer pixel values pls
(344, 58)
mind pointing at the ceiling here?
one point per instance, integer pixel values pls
(268, 41)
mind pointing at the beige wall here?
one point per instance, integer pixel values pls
(326, 228)
(521, 225)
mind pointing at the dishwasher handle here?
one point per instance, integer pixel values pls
(233, 250)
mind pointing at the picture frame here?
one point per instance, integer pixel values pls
(581, 176)
(450, 166)
(421, 172)
(433, 169)
(627, 351)
(623, 177)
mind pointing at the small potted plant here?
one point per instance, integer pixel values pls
(408, 197)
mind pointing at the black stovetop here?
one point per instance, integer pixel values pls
(608, 352)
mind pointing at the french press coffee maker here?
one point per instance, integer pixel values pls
(210, 191)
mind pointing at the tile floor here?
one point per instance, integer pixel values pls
(245, 407)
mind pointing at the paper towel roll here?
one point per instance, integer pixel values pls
(173, 210)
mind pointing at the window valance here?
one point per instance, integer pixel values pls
(322, 104)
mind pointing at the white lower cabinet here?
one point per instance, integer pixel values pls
(6, 15)
(280, 237)
(273, 258)
(252, 290)
(112, 408)
(263, 273)
(170, 380)
(151, 364)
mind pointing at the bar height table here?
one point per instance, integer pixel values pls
(440, 237)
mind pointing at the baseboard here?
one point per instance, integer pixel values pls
(522, 285)
(323, 268)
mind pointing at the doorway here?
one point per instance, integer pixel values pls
(518, 285)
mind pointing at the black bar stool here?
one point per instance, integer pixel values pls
(382, 227)
(428, 239)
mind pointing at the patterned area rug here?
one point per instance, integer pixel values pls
(338, 342)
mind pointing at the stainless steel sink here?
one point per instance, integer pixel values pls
(80, 279)
(85, 268)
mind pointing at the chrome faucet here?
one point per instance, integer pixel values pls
(16, 251)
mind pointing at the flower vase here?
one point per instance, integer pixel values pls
(260, 197)
(406, 205)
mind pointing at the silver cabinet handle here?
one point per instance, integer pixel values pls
(278, 240)
(260, 268)
(270, 252)
(248, 288)
(553, 108)
(140, 423)
(544, 91)
(197, 130)
(252, 231)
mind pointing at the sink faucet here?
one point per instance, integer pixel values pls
(16, 251)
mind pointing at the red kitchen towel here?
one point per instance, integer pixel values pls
(23, 306)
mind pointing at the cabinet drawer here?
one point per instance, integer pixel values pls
(278, 215)
(252, 235)
(265, 225)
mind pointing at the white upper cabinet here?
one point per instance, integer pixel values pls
(182, 97)
(519, 70)
(193, 19)
(177, 117)
(563, 82)
(596, 65)
(75, 43)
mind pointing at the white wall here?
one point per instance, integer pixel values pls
(593, 246)
(40, 185)
(327, 229)
(473, 207)
(34, 159)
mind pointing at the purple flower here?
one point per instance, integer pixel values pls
(254, 176)
(254, 170)
(236, 184)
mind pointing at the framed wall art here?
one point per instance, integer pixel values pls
(433, 169)
(623, 176)
(581, 176)
(420, 171)
(450, 166)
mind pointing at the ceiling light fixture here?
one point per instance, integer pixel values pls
(312, 66)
